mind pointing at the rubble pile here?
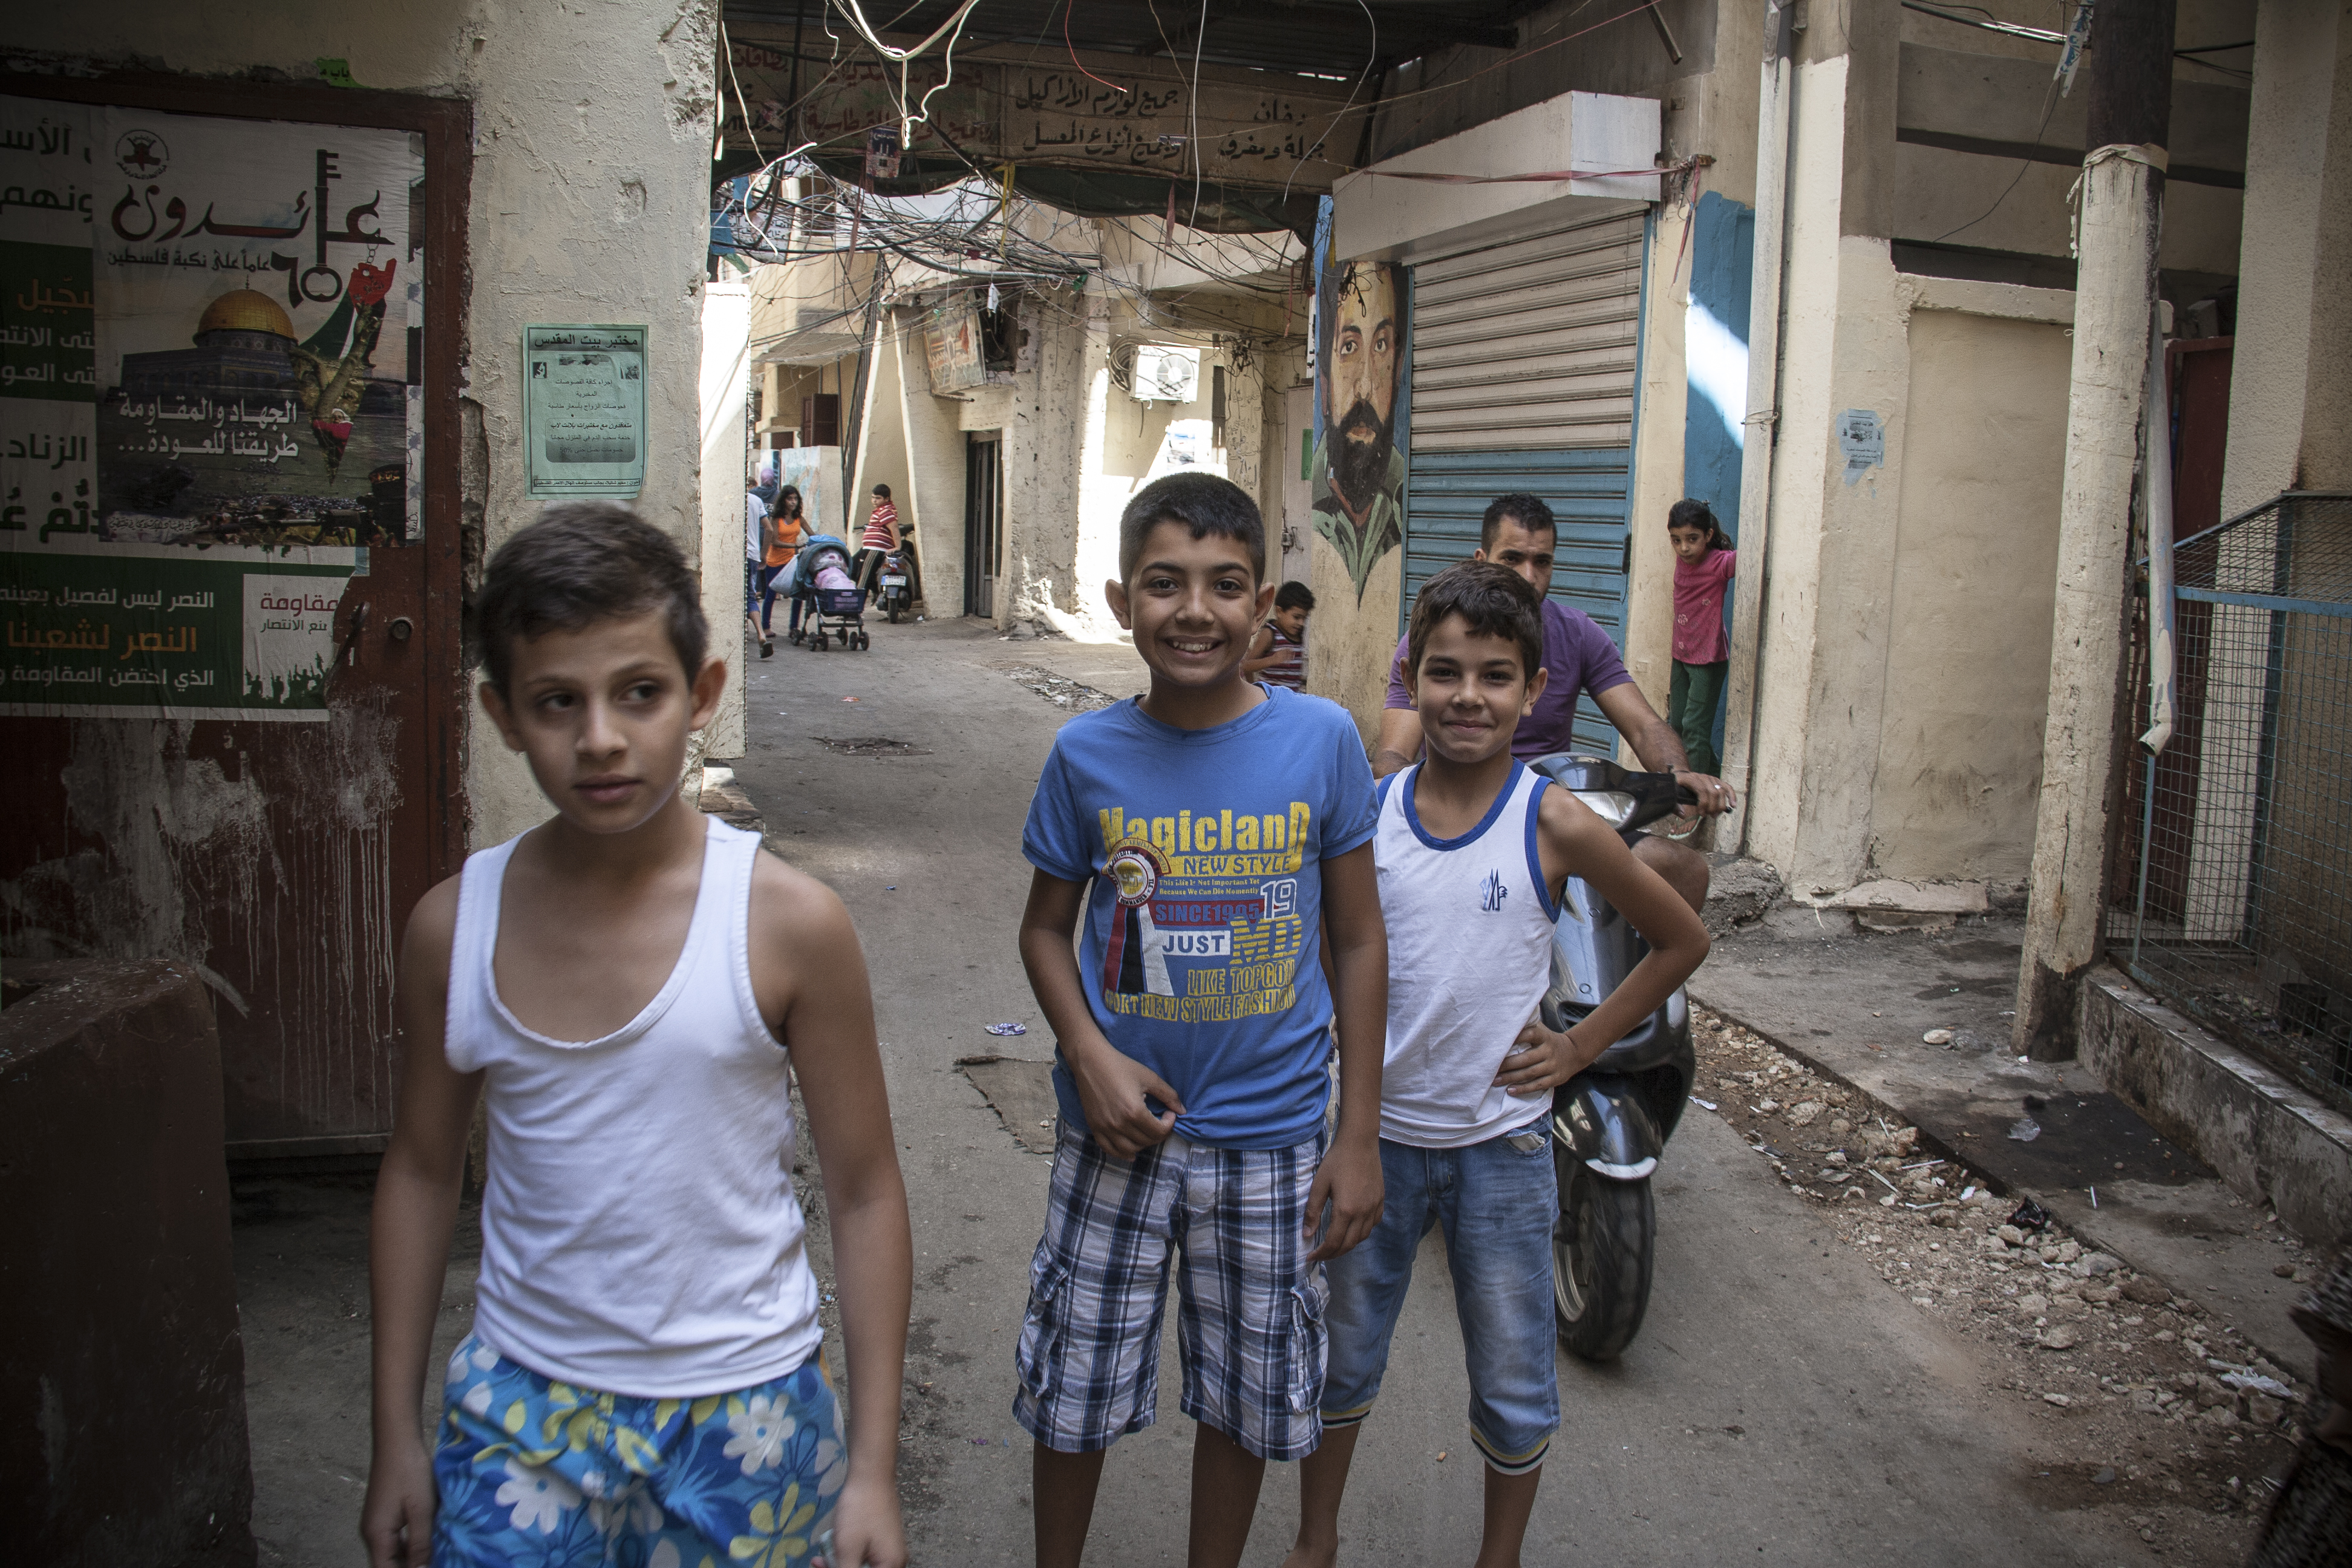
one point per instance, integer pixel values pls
(1060, 689)
(2158, 1406)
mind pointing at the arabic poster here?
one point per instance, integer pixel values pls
(584, 411)
(158, 631)
(952, 344)
(257, 288)
(202, 583)
(48, 352)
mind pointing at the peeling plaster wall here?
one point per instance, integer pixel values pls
(204, 854)
(1042, 574)
(1350, 643)
(592, 161)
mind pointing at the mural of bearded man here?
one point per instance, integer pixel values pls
(1358, 466)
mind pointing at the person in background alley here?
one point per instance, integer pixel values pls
(2310, 1522)
(756, 503)
(1472, 849)
(1216, 833)
(881, 538)
(1704, 563)
(635, 988)
(786, 527)
(1277, 654)
(1519, 532)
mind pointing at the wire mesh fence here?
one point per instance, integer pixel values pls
(2234, 896)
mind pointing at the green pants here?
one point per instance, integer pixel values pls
(1691, 702)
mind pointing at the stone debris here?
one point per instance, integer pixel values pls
(2152, 1388)
(1060, 689)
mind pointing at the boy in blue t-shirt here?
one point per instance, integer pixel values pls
(1215, 833)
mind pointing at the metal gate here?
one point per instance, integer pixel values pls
(2238, 891)
(1526, 361)
(983, 531)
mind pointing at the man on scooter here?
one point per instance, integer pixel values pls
(1520, 532)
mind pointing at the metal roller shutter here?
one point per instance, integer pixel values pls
(1525, 354)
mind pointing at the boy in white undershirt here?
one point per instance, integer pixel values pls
(1471, 849)
(635, 987)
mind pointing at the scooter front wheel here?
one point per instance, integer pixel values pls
(1602, 1253)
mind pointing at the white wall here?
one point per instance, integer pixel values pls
(725, 398)
(590, 203)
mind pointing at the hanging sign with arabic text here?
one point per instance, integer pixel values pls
(1112, 116)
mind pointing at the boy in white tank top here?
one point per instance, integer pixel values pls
(1471, 849)
(634, 986)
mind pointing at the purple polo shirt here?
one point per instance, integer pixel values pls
(1581, 658)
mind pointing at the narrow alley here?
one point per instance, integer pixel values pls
(1887, 461)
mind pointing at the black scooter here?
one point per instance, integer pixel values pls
(1610, 1121)
(895, 590)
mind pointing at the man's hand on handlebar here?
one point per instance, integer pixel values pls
(1715, 796)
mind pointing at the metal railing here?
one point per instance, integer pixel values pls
(2234, 901)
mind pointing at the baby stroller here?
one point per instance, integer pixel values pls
(836, 605)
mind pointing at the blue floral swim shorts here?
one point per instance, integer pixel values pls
(545, 1473)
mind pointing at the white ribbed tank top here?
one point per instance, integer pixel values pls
(640, 1235)
(1470, 928)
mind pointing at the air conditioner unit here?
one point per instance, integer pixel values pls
(1164, 374)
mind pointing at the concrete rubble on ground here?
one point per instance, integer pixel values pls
(1060, 689)
(2167, 1401)
(1740, 891)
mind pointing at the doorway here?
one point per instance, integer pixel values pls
(984, 523)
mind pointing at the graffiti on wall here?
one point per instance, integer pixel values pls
(1357, 473)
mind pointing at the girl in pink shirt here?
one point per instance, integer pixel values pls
(1704, 561)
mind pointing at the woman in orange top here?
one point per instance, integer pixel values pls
(780, 540)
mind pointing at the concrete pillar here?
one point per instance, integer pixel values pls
(2122, 207)
(1826, 597)
(726, 389)
(934, 500)
(2290, 422)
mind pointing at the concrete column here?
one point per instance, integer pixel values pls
(726, 389)
(2289, 425)
(1658, 464)
(934, 500)
(2122, 207)
(1826, 599)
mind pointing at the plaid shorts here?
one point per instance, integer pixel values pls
(1250, 1334)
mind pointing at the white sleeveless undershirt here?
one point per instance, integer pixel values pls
(640, 1235)
(1470, 928)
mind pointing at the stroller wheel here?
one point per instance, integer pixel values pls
(863, 642)
(818, 644)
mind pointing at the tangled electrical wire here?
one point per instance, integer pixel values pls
(978, 231)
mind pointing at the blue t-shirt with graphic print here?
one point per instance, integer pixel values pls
(1202, 852)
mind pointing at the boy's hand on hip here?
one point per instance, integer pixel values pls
(1349, 1181)
(1541, 1060)
(1111, 1090)
(396, 1519)
(868, 1531)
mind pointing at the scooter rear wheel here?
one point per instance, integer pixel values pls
(1602, 1253)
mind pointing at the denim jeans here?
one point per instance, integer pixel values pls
(1497, 1205)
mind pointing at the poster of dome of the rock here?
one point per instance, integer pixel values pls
(211, 404)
